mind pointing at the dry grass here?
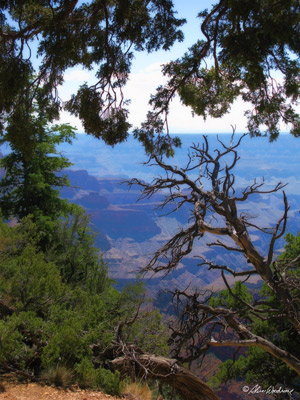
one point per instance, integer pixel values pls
(137, 391)
(59, 376)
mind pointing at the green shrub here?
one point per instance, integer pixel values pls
(86, 374)
(109, 381)
(53, 324)
(100, 378)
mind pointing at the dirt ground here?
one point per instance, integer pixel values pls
(13, 390)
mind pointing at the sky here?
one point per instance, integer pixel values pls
(146, 76)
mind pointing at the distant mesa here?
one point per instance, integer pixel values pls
(93, 201)
(82, 180)
(109, 184)
(125, 224)
(111, 207)
(68, 192)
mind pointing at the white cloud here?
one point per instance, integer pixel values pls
(180, 118)
(77, 75)
(67, 118)
(139, 88)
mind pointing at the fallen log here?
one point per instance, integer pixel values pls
(166, 370)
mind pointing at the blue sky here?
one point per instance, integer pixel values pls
(146, 76)
(189, 10)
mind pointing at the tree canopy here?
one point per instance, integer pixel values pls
(96, 34)
(250, 50)
(247, 50)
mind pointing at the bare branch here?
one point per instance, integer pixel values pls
(289, 359)
(245, 334)
(220, 244)
(173, 251)
(227, 269)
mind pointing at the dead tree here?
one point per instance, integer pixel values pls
(168, 371)
(214, 203)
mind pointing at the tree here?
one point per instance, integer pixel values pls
(137, 360)
(249, 51)
(31, 183)
(100, 34)
(168, 371)
(214, 203)
(58, 309)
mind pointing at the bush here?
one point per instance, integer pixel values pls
(109, 381)
(99, 378)
(86, 374)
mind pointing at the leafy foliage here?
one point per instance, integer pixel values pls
(73, 251)
(49, 322)
(33, 174)
(149, 334)
(59, 311)
(95, 34)
(249, 51)
(233, 300)
(31, 181)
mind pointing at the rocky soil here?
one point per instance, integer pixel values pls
(11, 389)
